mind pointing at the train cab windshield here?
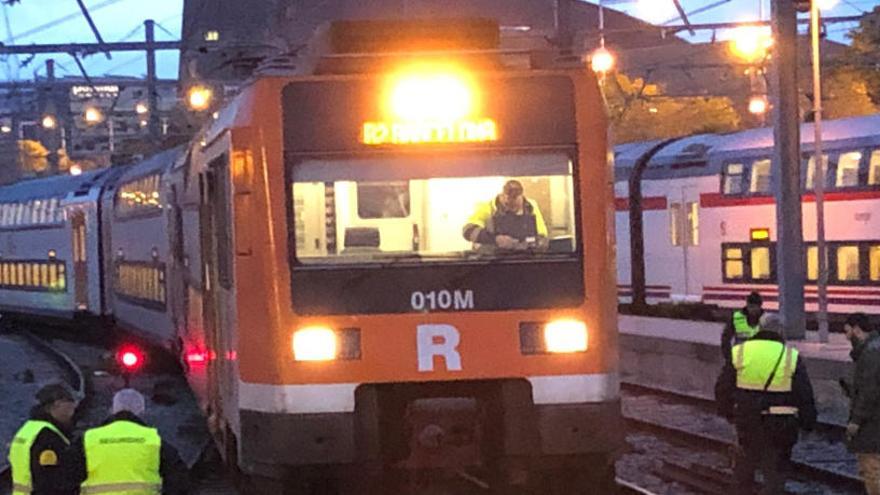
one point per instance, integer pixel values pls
(420, 209)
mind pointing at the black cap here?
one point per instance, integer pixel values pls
(755, 299)
(54, 392)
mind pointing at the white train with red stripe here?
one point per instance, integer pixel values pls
(710, 217)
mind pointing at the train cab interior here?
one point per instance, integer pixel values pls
(400, 209)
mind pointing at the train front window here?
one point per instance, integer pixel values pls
(417, 209)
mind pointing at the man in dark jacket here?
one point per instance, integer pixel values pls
(863, 430)
(124, 455)
(743, 324)
(765, 390)
(38, 451)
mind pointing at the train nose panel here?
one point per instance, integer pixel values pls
(443, 433)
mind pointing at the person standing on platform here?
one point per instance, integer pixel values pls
(863, 429)
(124, 456)
(766, 392)
(743, 324)
(38, 451)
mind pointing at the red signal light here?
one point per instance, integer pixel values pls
(130, 358)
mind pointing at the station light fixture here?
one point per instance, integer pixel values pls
(602, 60)
(49, 122)
(565, 336)
(751, 43)
(93, 115)
(141, 108)
(5, 129)
(758, 105)
(199, 98)
(75, 169)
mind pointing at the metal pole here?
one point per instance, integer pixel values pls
(152, 95)
(111, 131)
(786, 170)
(52, 141)
(819, 177)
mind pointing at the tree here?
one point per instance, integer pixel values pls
(864, 55)
(33, 158)
(845, 93)
(639, 112)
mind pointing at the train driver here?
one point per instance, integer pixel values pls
(508, 222)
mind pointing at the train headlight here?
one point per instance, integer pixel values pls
(562, 336)
(428, 95)
(318, 343)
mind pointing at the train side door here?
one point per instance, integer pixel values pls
(80, 269)
(216, 256)
(684, 211)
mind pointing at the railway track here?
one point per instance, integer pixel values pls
(21, 346)
(709, 480)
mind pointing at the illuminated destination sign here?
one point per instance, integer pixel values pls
(97, 91)
(462, 131)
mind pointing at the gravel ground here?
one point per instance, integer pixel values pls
(811, 448)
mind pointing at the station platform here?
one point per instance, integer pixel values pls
(685, 356)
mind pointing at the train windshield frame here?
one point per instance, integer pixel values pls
(412, 209)
(346, 271)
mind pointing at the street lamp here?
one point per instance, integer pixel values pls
(602, 60)
(49, 122)
(199, 98)
(758, 105)
(93, 115)
(818, 159)
(751, 43)
(141, 108)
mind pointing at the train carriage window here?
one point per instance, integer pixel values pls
(847, 263)
(759, 258)
(810, 175)
(734, 266)
(874, 169)
(874, 263)
(141, 283)
(675, 233)
(812, 263)
(848, 169)
(733, 178)
(383, 200)
(31, 275)
(760, 181)
(139, 197)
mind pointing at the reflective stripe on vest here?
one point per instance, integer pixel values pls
(754, 361)
(122, 458)
(741, 326)
(20, 453)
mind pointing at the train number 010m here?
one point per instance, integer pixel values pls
(458, 300)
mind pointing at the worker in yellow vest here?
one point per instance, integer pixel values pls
(124, 456)
(38, 452)
(743, 324)
(765, 390)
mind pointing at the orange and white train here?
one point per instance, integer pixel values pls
(304, 256)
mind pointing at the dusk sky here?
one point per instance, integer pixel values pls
(123, 20)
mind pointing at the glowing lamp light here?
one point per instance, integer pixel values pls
(314, 344)
(199, 97)
(5, 129)
(76, 169)
(93, 115)
(602, 60)
(443, 97)
(758, 105)
(130, 358)
(565, 336)
(141, 108)
(49, 122)
(751, 43)
(760, 234)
